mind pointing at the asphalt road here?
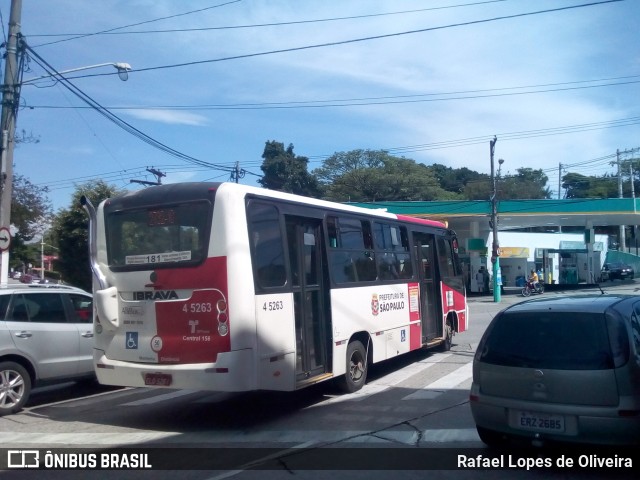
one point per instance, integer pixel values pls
(412, 415)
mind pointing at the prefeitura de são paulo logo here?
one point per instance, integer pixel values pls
(375, 305)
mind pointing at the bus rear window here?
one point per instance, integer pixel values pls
(157, 236)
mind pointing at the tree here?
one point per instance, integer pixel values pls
(577, 185)
(30, 214)
(287, 172)
(526, 184)
(369, 175)
(71, 230)
(456, 179)
(479, 188)
(30, 208)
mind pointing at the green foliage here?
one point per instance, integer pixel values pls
(369, 175)
(479, 188)
(30, 213)
(525, 185)
(30, 208)
(287, 172)
(71, 230)
(577, 185)
(457, 180)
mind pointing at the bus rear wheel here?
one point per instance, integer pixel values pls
(357, 367)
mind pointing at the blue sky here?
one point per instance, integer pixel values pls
(433, 81)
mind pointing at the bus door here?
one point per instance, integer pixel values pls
(310, 296)
(424, 244)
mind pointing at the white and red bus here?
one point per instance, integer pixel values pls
(225, 287)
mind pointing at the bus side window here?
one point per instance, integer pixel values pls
(445, 258)
(332, 231)
(392, 243)
(266, 240)
(352, 258)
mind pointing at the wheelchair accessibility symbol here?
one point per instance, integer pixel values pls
(132, 341)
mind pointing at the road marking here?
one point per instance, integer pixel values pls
(215, 438)
(443, 384)
(160, 398)
(391, 380)
(85, 438)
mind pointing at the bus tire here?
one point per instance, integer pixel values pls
(357, 367)
(15, 384)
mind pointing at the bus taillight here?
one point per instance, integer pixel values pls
(221, 305)
(223, 326)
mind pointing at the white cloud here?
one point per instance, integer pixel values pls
(568, 46)
(169, 116)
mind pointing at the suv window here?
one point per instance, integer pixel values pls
(38, 307)
(82, 308)
(555, 340)
(4, 303)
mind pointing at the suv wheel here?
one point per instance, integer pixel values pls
(15, 387)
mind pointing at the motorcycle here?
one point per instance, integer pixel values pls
(530, 288)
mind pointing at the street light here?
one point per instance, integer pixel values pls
(42, 245)
(122, 67)
(10, 100)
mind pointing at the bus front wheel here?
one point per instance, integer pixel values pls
(356, 375)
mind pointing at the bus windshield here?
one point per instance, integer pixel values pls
(155, 236)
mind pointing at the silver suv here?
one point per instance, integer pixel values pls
(46, 336)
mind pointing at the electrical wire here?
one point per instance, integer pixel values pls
(112, 30)
(115, 119)
(259, 25)
(365, 101)
(369, 38)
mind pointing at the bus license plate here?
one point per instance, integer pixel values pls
(539, 421)
(157, 379)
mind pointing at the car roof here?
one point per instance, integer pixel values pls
(593, 303)
(20, 287)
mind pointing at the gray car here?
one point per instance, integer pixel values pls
(46, 336)
(562, 369)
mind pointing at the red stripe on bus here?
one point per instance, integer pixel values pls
(421, 221)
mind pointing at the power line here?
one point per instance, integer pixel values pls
(256, 25)
(364, 101)
(509, 136)
(112, 30)
(114, 118)
(373, 37)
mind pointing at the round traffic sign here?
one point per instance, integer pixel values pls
(5, 239)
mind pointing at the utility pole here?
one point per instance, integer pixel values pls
(495, 250)
(633, 187)
(559, 179)
(157, 173)
(10, 100)
(237, 173)
(623, 241)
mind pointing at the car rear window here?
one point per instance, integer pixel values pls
(553, 340)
